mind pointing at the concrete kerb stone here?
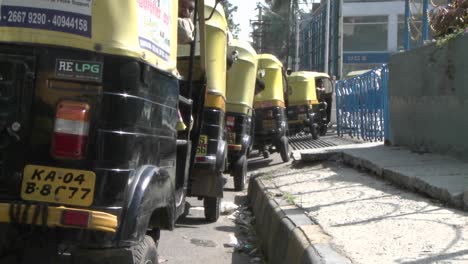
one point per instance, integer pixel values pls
(282, 238)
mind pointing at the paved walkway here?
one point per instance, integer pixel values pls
(324, 211)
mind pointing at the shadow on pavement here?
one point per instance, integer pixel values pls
(259, 164)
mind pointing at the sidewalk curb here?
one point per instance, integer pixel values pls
(391, 174)
(287, 234)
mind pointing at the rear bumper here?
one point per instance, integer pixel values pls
(51, 216)
(206, 162)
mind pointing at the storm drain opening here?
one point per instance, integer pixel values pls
(300, 142)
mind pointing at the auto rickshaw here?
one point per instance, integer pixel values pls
(271, 127)
(239, 106)
(90, 167)
(307, 106)
(204, 72)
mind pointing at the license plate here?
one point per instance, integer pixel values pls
(269, 124)
(202, 145)
(58, 185)
(231, 138)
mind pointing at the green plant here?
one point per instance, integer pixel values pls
(289, 197)
(443, 41)
(268, 177)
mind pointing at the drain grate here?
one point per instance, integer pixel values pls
(300, 142)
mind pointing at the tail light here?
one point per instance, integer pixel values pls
(75, 218)
(71, 130)
(230, 123)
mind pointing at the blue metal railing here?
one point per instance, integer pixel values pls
(362, 105)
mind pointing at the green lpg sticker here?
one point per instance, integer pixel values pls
(78, 70)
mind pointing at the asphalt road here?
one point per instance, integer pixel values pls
(195, 241)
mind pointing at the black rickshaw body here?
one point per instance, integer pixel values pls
(240, 93)
(88, 140)
(271, 127)
(207, 73)
(308, 106)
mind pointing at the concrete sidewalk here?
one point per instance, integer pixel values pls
(291, 236)
(441, 177)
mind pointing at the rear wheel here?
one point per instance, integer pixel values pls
(314, 131)
(240, 171)
(145, 252)
(212, 207)
(284, 148)
(323, 129)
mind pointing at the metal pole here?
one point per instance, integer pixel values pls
(425, 32)
(407, 17)
(327, 38)
(296, 59)
(340, 44)
(260, 22)
(288, 45)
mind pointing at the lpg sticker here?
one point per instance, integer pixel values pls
(68, 16)
(79, 70)
(154, 26)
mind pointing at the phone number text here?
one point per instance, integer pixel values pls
(46, 19)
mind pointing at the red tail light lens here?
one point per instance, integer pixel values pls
(71, 130)
(75, 218)
(230, 123)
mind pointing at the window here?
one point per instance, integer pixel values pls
(365, 33)
(415, 33)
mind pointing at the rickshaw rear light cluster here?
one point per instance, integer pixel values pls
(71, 130)
(75, 218)
(230, 123)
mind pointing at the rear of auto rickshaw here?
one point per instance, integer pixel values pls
(205, 81)
(88, 162)
(240, 94)
(271, 127)
(307, 106)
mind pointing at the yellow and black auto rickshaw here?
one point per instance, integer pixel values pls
(239, 107)
(307, 106)
(91, 163)
(271, 127)
(204, 73)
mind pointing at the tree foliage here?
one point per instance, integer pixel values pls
(449, 19)
(229, 10)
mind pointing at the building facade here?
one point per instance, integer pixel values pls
(372, 31)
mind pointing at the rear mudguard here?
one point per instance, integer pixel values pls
(221, 155)
(209, 182)
(149, 189)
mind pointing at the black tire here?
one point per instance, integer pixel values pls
(323, 130)
(314, 131)
(155, 234)
(145, 252)
(240, 174)
(212, 207)
(284, 149)
(266, 154)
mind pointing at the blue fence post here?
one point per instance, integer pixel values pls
(425, 29)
